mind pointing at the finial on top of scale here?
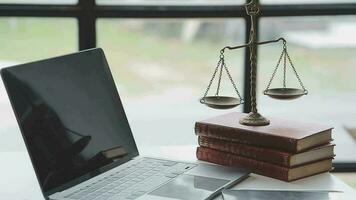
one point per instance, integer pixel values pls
(252, 8)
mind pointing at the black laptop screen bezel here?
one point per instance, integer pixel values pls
(90, 174)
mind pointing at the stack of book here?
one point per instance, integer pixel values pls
(285, 150)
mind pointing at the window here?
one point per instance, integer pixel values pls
(181, 59)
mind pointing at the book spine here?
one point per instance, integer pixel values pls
(226, 159)
(246, 137)
(258, 153)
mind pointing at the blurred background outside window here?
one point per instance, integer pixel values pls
(162, 68)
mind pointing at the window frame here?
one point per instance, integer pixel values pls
(87, 12)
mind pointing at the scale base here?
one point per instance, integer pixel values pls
(254, 119)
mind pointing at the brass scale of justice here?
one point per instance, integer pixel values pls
(283, 93)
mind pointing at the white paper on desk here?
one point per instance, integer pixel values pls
(277, 195)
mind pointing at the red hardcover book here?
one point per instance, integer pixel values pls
(273, 156)
(263, 168)
(291, 136)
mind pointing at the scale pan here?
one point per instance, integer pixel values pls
(221, 102)
(285, 93)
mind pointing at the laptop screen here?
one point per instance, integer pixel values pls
(71, 117)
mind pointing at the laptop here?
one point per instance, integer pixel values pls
(80, 143)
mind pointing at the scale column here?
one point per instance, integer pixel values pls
(253, 118)
(253, 63)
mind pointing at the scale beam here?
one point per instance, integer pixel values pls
(248, 44)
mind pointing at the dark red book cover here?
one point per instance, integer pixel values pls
(278, 157)
(290, 136)
(259, 167)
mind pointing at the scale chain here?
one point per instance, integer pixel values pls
(232, 81)
(220, 75)
(275, 70)
(284, 65)
(214, 74)
(286, 56)
(295, 72)
(222, 65)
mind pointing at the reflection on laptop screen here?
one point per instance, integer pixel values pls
(71, 117)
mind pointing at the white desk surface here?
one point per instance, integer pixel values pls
(18, 180)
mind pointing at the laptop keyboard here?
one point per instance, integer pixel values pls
(133, 181)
